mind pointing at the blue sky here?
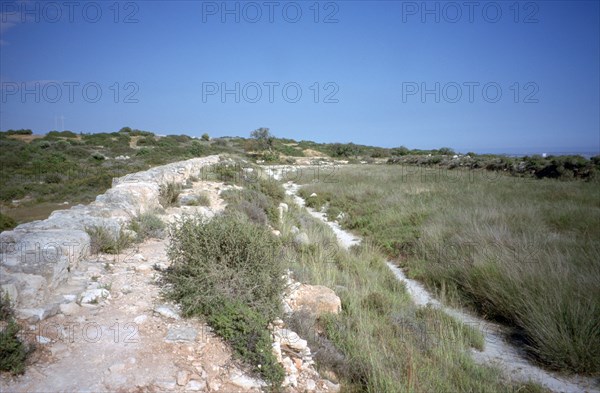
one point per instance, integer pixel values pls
(496, 76)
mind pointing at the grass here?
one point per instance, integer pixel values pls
(169, 193)
(103, 240)
(147, 225)
(201, 199)
(522, 251)
(381, 342)
(227, 270)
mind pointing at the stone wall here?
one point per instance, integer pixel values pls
(38, 257)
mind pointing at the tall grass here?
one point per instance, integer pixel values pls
(523, 251)
(381, 342)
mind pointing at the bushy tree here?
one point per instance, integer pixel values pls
(446, 151)
(205, 137)
(264, 138)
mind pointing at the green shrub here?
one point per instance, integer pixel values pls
(102, 240)
(64, 134)
(228, 174)
(228, 269)
(205, 137)
(13, 352)
(11, 192)
(19, 132)
(52, 178)
(147, 225)
(6, 222)
(169, 193)
(244, 329)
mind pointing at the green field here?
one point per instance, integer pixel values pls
(519, 250)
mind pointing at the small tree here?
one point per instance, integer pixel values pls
(264, 138)
(446, 151)
(205, 137)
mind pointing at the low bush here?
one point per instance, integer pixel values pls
(254, 204)
(13, 352)
(6, 222)
(228, 269)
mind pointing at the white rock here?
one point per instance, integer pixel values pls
(195, 386)
(245, 382)
(166, 311)
(140, 319)
(43, 340)
(277, 351)
(143, 268)
(310, 385)
(94, 295)
(166, 384)
(69, 308)
(313, 195)
(70, 298)
(291, 339)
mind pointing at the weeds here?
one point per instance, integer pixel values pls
(102, 240)
(169, 193)
(147, 225)
(201, 199)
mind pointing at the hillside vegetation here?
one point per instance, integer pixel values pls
(228, 271)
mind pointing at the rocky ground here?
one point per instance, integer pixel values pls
(114, 332)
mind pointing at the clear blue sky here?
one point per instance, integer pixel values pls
(366, 70)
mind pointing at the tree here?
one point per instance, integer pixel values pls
(205, 137)
(400, 151)
(125, 129)
(446, 151)
(264, 138)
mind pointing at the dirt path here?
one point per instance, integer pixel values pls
(124, 338)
